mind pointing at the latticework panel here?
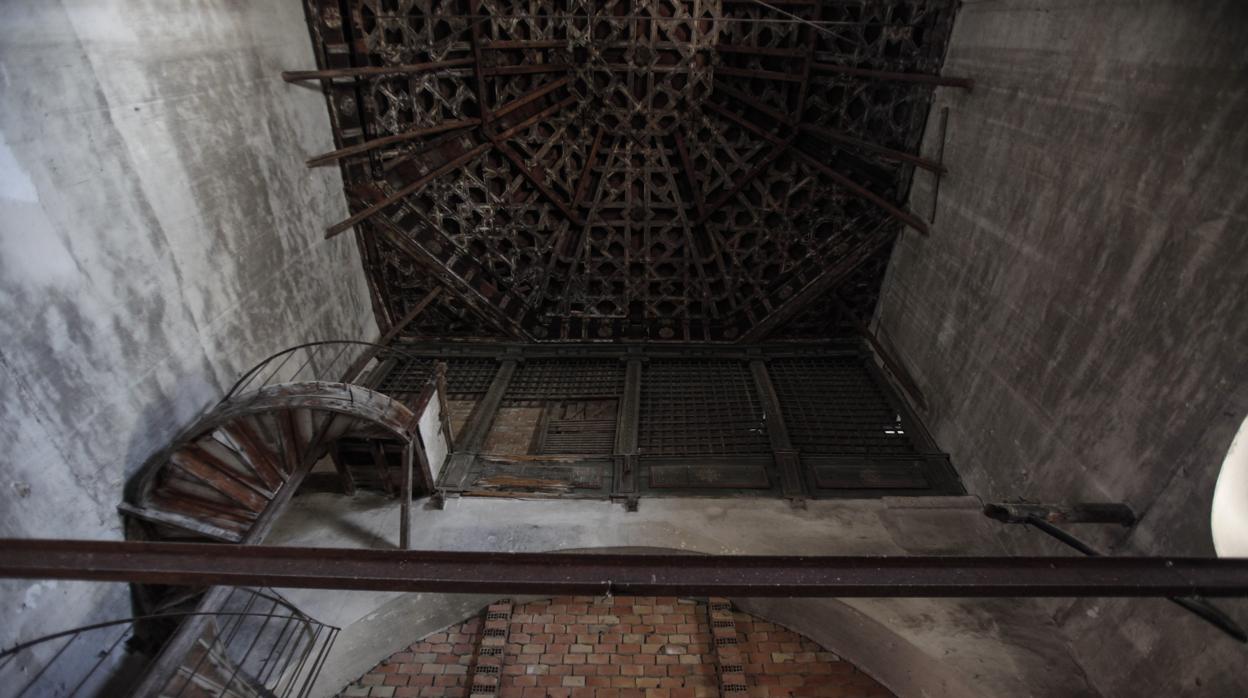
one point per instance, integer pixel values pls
(566, 379)
(834, 406)
(631, 169)
(691, 408)
(466, 379)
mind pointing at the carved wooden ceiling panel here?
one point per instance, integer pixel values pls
(668, 170)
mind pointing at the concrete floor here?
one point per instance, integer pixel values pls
(1079, 315)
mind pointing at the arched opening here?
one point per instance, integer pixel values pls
(600, 647)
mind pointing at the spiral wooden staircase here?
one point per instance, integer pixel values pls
(228, 474)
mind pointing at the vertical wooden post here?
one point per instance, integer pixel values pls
(787, 460)
(405, 502)
(626, 426)
(475, 431)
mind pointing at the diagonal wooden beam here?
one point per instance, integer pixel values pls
(889, 207)
(922, 78)
(583, 182)
(419, 132)
(832, 276)
(538, 182)
(761, 50)
(502, 45)
(358, 365)
(755, 104)
(407, 190)
(834, 136)
(374, 71)
(686, 164)
(548, 111)
(527, 69)
(757, 74)
(531, 96)
(465, 292)
(741, 184)
(474, 8)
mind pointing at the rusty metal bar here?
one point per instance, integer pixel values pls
(561, 573)
(1092, 512)
(922, 78)
(374, 71)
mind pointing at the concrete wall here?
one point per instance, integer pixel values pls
(1079, 316)
(158, 234)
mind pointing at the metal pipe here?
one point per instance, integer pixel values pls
(1192, 603)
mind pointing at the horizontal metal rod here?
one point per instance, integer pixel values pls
(556, 573)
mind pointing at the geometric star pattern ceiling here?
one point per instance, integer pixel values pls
(706, 170)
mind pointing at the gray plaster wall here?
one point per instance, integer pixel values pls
(1078, 318)
(930, 648)
(159, 233)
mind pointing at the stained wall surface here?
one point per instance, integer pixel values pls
(1078, 317)
(159, 233)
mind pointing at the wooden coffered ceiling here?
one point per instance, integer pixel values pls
(706, 170)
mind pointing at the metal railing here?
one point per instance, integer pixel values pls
(326, 360)
(255, 644)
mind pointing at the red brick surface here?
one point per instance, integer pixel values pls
(620, 647)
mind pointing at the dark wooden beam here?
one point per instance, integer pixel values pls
(626, 429)
(474, 8)
(894, 365)
(353, 371)
(785, 455)
(407, 190)
(754, 103)
(374, 71)
(543, 114)
(419, 132)
(527, 69)
(834, 136)
(760, 50)
(477, 428)
(538, 182)
(531, 96)
(686, 164)
(757, 74)
(889, 207)
(502, 45)
(831, 277)
(868, 74)
(466, 294)
(582, 182)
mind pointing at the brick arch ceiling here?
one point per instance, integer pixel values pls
(649, 169)
(615, 647)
